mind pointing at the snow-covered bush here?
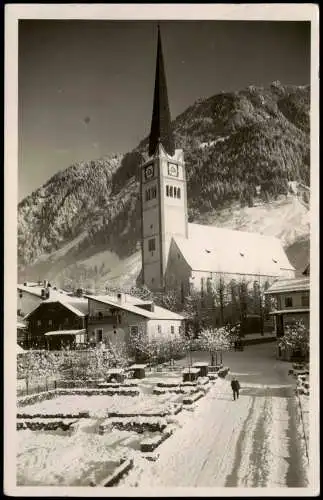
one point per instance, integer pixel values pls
(296, 339)
(216, 340)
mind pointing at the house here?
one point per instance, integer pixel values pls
(30, 295)
(291, 299)
(181, 255)
(21, 332)
(57, 322)
(113, 319)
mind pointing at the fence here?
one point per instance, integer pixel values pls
(26, 387)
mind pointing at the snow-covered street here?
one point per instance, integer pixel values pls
(250, 442)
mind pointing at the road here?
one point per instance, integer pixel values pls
(250, 442)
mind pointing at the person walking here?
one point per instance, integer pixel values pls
(235, 386)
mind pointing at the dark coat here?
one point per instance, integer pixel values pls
(235, 385)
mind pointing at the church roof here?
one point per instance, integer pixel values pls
(161, 130)
(214, 249)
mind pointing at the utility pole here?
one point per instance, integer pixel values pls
(261, 308)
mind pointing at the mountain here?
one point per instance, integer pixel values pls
(242, 152)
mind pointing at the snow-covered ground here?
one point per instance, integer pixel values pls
(58, 459)
(254, 441)
(245, 443)
(98, 406)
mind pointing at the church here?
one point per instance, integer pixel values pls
(179, 255)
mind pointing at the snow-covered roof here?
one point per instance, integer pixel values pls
(290, 311)
(21, 324)
(78, 306)
(289, 285)
(37, 290)
(214, 249)
(157, 313)
(20, 349)
(64, 332)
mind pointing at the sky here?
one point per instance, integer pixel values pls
(85, 88)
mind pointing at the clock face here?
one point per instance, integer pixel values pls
(149, 171)
(173, 169)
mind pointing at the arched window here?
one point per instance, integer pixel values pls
(171, 191)
(175, 192)
(178, 192)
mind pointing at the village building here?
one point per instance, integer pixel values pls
(30, 295)
(291, 302)
(57, 323)
(180, 255)
(21, 332)
(117, 318)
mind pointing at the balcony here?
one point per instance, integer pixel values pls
(108, 320)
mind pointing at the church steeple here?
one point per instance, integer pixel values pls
(161, 130)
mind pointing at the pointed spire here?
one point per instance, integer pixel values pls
(161, 130)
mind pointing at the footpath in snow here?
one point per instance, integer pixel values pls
(251, 442)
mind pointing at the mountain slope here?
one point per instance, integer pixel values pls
(234, 144)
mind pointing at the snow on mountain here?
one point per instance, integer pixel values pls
(242, 151)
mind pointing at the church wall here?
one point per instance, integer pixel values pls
(178, 272)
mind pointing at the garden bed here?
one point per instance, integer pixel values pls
(150, 444)
(53, 459)
(48, 424)
(113, 479)
(188, 400)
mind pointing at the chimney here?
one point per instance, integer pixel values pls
(121, 298)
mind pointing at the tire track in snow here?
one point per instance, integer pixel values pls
(232, 478)
(259, 456)
(241, 473)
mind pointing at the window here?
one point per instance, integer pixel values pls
(178, 193)
(66, 321)
(147, 194)
(99, 335)
(50, 322)
(288, 302)
(172, 329)
(154, 192)
(209, 285)
(175, 192)
(171, 191)
(305, 300)
(39, 322)
(159, 329)
(167, 190)
(202, 286)
(134, 330)
(152, 245)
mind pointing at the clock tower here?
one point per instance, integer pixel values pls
(162, 187)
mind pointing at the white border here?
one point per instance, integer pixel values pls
(273, 12)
